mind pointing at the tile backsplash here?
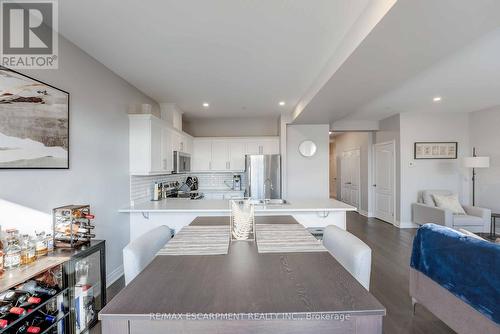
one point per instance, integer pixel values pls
(141, 187)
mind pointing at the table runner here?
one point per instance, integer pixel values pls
(198, 240)
(286, 238)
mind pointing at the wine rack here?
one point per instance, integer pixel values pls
(76, 281)
(33, 309)
(72, 226)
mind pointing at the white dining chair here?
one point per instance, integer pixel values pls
(352, 253)
(141, 251)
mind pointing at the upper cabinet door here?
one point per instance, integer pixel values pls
(271, 146)
(166, 150)
(220, 155)
(253, 147)
(263, 146)
(202, 155)
(156, 148)
(237, 156)
(176, 141)
(187, 144)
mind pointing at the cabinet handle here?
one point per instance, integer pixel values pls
(229, 165)
(261, 149)
(210, 165)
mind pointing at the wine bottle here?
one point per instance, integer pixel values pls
(34, 287)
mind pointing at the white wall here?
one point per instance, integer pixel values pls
(432, 174)
(362, 141)
(485, 136)
(231, 126)
(307, 177)
(99, 101)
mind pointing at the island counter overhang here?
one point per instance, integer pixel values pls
(177, 213)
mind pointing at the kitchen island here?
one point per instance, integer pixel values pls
(177, 213)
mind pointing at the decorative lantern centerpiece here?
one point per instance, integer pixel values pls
(242, 220)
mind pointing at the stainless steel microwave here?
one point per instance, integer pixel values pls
(182, 162)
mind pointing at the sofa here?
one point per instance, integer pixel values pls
(456, 276)
(425, 211)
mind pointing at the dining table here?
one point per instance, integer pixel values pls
(263, 285)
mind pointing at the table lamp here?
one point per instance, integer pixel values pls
(475, 162)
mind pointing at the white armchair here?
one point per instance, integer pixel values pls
(425, 211)
(141, 251)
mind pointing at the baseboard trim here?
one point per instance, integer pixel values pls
(365, 213)
(114, 276)
(407, 225)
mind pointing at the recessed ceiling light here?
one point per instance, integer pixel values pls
(282, 103)
(206, 105)
(437, 99)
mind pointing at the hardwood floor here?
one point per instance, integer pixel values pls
(391, 250)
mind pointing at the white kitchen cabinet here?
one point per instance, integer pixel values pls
(262, 146)
(270, 146)
(148, 154)
(187, 144)
(236, 156)
(253, 147)
(220, 155)
(228, 154)
(166, 148)
(151, 145)
(202, 155)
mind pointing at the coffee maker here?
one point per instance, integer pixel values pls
(236, 182)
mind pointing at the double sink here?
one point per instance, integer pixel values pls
(269, 201)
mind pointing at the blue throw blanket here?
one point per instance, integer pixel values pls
(467, 267)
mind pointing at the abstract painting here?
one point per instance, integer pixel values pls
(34, 123)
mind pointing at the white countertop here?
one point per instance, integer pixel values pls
(206, 205)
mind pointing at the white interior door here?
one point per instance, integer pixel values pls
(384, 176)
(345, 179)
(355, 170)
(350, 177)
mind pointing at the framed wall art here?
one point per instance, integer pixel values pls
(436, 150)
(34, 123)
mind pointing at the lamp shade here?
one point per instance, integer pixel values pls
(477, 162)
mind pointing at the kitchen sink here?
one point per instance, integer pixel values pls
(269, 201)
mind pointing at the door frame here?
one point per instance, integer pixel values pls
(373, 194)
(358, 209)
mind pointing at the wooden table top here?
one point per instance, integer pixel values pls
(243, 282)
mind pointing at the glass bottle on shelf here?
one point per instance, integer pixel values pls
(40, 244)
(12, 256)
(27, 250)
(50, 243)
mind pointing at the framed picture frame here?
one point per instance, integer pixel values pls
(435, 150)
(34, 123)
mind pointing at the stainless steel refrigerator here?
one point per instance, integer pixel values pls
(263, 175)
